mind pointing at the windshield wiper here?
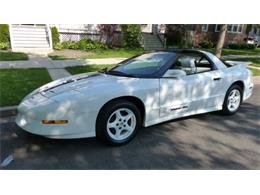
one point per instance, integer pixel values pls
(118, 73)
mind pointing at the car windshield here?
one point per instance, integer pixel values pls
(143, 65)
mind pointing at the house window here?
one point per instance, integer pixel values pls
(231, 28)
(240, 27)
(217, 28)
(204, 27)
(235, 28)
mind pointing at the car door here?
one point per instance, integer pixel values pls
(193, 90)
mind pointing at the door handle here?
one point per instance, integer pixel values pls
(216, 78)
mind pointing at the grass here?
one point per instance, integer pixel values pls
(114, 53)
(56, 57)
(237, 51)
(12, 56)
(15, 84)
(126, 53)
(109, 53)
(255, 72)
(88, 68)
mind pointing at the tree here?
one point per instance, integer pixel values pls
(221, 40)
(179, 34)
(131, 34)
(107, 33)
(55, 36)
(4, 33)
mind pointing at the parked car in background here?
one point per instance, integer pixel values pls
(249, 40)
(145, 90)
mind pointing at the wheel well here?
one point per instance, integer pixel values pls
(240, 84)
(136, 101)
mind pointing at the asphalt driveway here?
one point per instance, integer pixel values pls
(208, 141)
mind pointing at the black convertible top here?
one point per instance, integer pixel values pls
(178, 51)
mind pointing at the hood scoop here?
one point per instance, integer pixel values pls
(51, 88)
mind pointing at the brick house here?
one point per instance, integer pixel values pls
(37, 38)
(235, 33)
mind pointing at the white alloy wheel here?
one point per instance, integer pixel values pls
(234, 99)
(121, 124)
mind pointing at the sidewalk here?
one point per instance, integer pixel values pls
(38, 62)
(239, 56)
(56, 68)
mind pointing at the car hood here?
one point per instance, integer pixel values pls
(75, 83)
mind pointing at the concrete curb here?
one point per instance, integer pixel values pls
(8, 111)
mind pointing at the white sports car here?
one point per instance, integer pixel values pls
(148, 89)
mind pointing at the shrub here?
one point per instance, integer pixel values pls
(247, 46)
(4, 46)
(55, 36)
(100, 45)
(70, 45)
(58, 46)
(4, 33)
(88, 44)
(206, 44)
(131, 33)
(251, 46)
(241, 46)
(234, 46)
(84, 44)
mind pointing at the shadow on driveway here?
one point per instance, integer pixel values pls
(208, 141)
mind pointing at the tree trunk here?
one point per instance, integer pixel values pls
(221, 40)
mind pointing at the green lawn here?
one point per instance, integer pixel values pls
(125, 53)
(56, 57)
(88, 68)
(255, 71)
(114, 53)
(17, 83)
(237, 51)
(12, 56)
(109, 53)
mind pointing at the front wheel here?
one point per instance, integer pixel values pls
(233, 100)
(118, 122)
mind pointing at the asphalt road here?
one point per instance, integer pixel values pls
(208, 141)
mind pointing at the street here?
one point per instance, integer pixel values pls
(207, 141)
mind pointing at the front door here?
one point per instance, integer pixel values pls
(196, 89)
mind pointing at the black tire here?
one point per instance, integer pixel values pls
(104, 114)
(225, 109)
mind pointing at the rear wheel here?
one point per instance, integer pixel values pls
(233, 100)
(118, 122)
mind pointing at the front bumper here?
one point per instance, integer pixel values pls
(31, 114)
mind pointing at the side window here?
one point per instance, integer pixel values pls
(192, 64)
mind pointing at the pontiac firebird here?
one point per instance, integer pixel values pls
(113, 104)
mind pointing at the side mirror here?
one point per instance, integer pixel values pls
(174, 73)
